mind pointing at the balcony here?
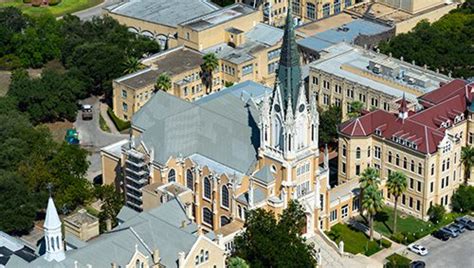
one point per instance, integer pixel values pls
(138, 164)
(140, 181)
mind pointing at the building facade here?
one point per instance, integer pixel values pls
(242, 148)
(346, 73)
(425, 145)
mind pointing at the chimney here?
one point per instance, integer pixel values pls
(403, 110)
(219, 239)
(108, 225)
(425, 67)
(413, 62)
(181, 257)
(390, 54)
(75, 264)
(156, 256)
(401, 58)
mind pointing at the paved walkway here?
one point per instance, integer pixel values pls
(363, 228)
(103, 111)
(331, 258)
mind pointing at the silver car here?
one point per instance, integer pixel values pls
(451, 231)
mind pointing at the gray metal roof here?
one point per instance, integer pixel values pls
(206, 21)
(258, 196)
(265, 175)
(261, 37)
(166, 12)
(126, 214)
(146, 232)
(222, 128)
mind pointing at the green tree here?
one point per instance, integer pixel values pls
(269, 242)
(467, 159)
(236, 262)
(396, 185)
(370, 177)
(356, 109)
(329, 121)
(436, 213)
(463, 199)
(112, 202)
(17, 209)
(132, 65)
(163, 82)
(371, 203)
(211, 62)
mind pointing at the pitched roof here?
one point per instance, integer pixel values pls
(422, 131)
(446, 91)
(52, 220)
(265, 175)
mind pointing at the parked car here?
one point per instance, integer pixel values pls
(418, 264)
(441, 235)
(418, 249)
(466, 222)
(87, 112)
(459, 227)
(451, 231)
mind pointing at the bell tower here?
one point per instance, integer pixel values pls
(53, 236)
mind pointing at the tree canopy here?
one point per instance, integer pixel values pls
(447, 45)
(271, 242)
(329, 121)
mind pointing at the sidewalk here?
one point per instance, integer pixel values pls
(103, 111)
(365, 229)
(383, 254)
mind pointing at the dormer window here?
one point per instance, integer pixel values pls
(378, 132)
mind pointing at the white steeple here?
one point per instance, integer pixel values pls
(52, 234)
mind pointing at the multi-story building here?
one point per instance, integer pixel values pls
(242, 148)
(246, 50)
(162, 237)
(183, 67)
(274, 11)
(347, 73)
(424, 144)
(158, 19)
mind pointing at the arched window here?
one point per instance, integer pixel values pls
(337, 6)
(397, 160)
(405, 163)
(310, 11)
(390, 157)
(51, 243)
(207, 188)
(348, 3)
(239, 210)
(326, 10)
(172, 176)
(344, 150)
(207, 216)
(420, 168)
(357, 153)
(58, 245)
(189, 179)
(412, 166)
(432, 169)
(368, 151)
(137, 264)
(224, 221)
(225, 196)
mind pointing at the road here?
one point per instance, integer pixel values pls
(93, 138)
(89, 13)
(454, 253)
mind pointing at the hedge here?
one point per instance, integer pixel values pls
(397, 261)
(385, 243)
(119, 123)
(53, 2)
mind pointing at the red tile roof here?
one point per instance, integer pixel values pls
(421, 131)
(444, 92)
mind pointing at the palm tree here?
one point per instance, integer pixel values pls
(396, 185)
(372, 203)
(370, 177)
(356, 109)
(467, 158)
(132, 64)
(163, 82)
(211, 62)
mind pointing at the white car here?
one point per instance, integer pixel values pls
(420, 250)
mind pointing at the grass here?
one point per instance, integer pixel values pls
(63, 8)
(355, 241)
(406, 224)
(103, 124)
(119, 123)
(399, 261)
(58, 129)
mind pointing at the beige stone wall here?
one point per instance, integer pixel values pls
(111, 169)
(215, 255)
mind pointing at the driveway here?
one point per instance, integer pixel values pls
(456, 252)
(95, 11)
(92, 138)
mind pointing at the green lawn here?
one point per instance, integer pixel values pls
(383, 223)
(398, 261)
(103, 124)
(354, 240)
(66, 6)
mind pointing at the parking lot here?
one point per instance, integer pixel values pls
(456, 252)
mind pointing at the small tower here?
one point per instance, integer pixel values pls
(52, 234)
(403, 110)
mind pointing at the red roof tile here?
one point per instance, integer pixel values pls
(444, 92)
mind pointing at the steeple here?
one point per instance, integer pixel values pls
(403, 110)
(289, 72)
(52, 234)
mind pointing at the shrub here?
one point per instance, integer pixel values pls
(372, 249)
(36, 3)
(119, 123)
(27, 1)
(385, 243)
(10, 62)
(398, 237)
(397, 261)
(53, 2)
(436, 213)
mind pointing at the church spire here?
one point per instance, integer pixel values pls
(53, 237)
(289, 72)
